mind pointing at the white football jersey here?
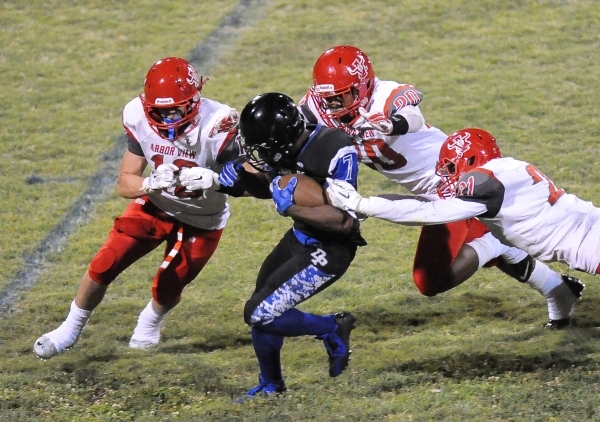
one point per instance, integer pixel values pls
(408, 160)
(210, 211)
(521, 207)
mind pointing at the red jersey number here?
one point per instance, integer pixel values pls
(376, 151)
(537, 176)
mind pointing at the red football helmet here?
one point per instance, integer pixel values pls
(462, 151)
(171, 97)
(343, 81)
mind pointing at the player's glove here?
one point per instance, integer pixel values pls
(196, 178)
(377, 121)
(230, 173)
(226, 124)
(343, 195)
(161, 178)
(283, 197)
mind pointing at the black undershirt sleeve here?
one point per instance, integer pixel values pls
(134, 147)
(400, 125)
(484, 188)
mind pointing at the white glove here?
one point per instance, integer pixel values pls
(161, 178)
(377, 121)
(196, 178)
(343, 195)
(226, 124)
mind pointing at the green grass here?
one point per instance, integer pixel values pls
(525, 70)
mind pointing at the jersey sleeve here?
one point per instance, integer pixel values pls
(414, 212)
(133, 146)
(344, 164)
(230, 150)
(403, 96)
(481, 186)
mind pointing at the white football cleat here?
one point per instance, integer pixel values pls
(142, 344)
(53, 343)
(145, 336)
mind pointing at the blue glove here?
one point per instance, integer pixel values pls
(229, 174)
(283, 197)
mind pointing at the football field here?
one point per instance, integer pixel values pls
(527, 71)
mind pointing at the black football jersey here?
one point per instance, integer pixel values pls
(327, 152)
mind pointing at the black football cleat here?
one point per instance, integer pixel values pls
(337, 343)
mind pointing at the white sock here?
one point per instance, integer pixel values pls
(148, 325)
(559, 298)
(487, 248)
(68, 332)
(514, 255)
(544, 279)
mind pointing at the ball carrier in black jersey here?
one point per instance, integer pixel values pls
(315, 252)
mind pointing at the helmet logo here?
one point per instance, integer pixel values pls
(459, 144)
(192, 77)
(359, 68)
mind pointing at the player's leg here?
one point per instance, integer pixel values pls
(560, 290)
(436, 268)
(291, 274)
(118, 252)
(187, 251)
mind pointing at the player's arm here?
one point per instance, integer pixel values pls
(237, 178)
(411, 212)
(401, 114)
(130, 180)
(326, 218)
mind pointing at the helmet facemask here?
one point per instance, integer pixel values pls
(175, 124)
(461, 152)
(258, 157)
(338, 108)
(449, 170)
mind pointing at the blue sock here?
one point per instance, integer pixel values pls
(267, 348)
(293, 323)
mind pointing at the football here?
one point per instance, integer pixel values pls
(308, 192)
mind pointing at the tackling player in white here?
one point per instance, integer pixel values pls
(513, 198)
(391, 137)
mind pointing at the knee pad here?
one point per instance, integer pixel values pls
(425, 286)
(101, 265)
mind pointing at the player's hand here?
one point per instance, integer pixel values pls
(196, 178)
(343, 195)
(230, 173)
(377, 121)
(226, 124)
(161, 178)
(283, 197)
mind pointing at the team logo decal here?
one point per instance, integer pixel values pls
(192, 77)
(459, 144)
(359, 68)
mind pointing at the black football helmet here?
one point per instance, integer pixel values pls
(270, 125)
